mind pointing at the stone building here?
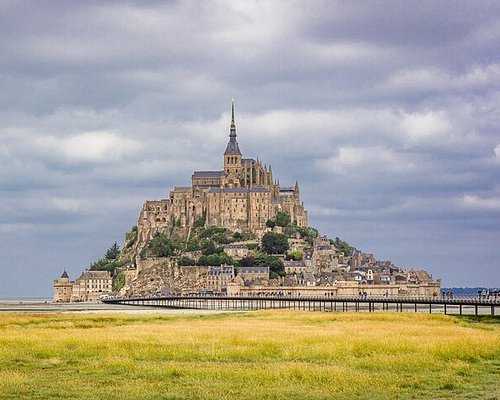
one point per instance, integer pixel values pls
(242, 197)
(90, 286)
(63, 289)
(218, 277)
(250, 274)
(237, 251)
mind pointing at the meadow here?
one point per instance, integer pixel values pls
(253, 355)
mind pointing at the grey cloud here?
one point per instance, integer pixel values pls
(387, 113)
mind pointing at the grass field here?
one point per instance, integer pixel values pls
(258, 355)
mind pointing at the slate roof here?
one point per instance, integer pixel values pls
(208, 174)
(235, 246)
(293, 264)
(237, 190)
(95, 275)
(253, 270)
(232, 147)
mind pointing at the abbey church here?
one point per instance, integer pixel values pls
(242, 196)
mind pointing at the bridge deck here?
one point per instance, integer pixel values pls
(459, 306)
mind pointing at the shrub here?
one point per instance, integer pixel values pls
(184, 260)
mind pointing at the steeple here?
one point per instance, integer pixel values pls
(232, 147)
(233, 125)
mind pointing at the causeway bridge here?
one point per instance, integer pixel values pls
(432, 305)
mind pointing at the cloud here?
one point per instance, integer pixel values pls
(474, 201)
(385, 112)
(425, 80)
(89, 148)
(373, 160)
(427, 126)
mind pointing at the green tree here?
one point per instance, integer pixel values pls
(309, 234)
(207, 248)
(220, 238)
(296, 255)
(274, 263)
(109, 262)
(282, 219)
(344, 247)
(184, 260)
(252, 246)
(274, 243)
(118, 282)
(161, 245)
(270, 223)
(246, 262)
(237, 236)
(113, 252)
(193, 244)
(200, 221)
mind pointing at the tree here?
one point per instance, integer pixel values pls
(282, 219)
(184, 260)
(215, 259)
(344, 247)
(274, 243)
(200, 221)
(270, 223)
(237, 236)
(220, 238)
(113, 252)
(246, 262)
(193, 244)
(295, 255)
(207, 248)
(109, 262)
(161, 245)
(274, 263)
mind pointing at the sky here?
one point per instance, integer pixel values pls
(387, 112)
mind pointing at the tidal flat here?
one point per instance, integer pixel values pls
(248, 355)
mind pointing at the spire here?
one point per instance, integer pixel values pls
(297, 186)
(233, 125)
(232, 146)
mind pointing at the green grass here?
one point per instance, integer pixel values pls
(259, 355)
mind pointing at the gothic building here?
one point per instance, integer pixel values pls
(242, 196)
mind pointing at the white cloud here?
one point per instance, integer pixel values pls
(89, 147)
(371, 160)
(436, 79)
(431, 125)
(66, 203)
(474, 201)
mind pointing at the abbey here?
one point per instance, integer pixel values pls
(242, 196)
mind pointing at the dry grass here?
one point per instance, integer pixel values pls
(259, 355)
